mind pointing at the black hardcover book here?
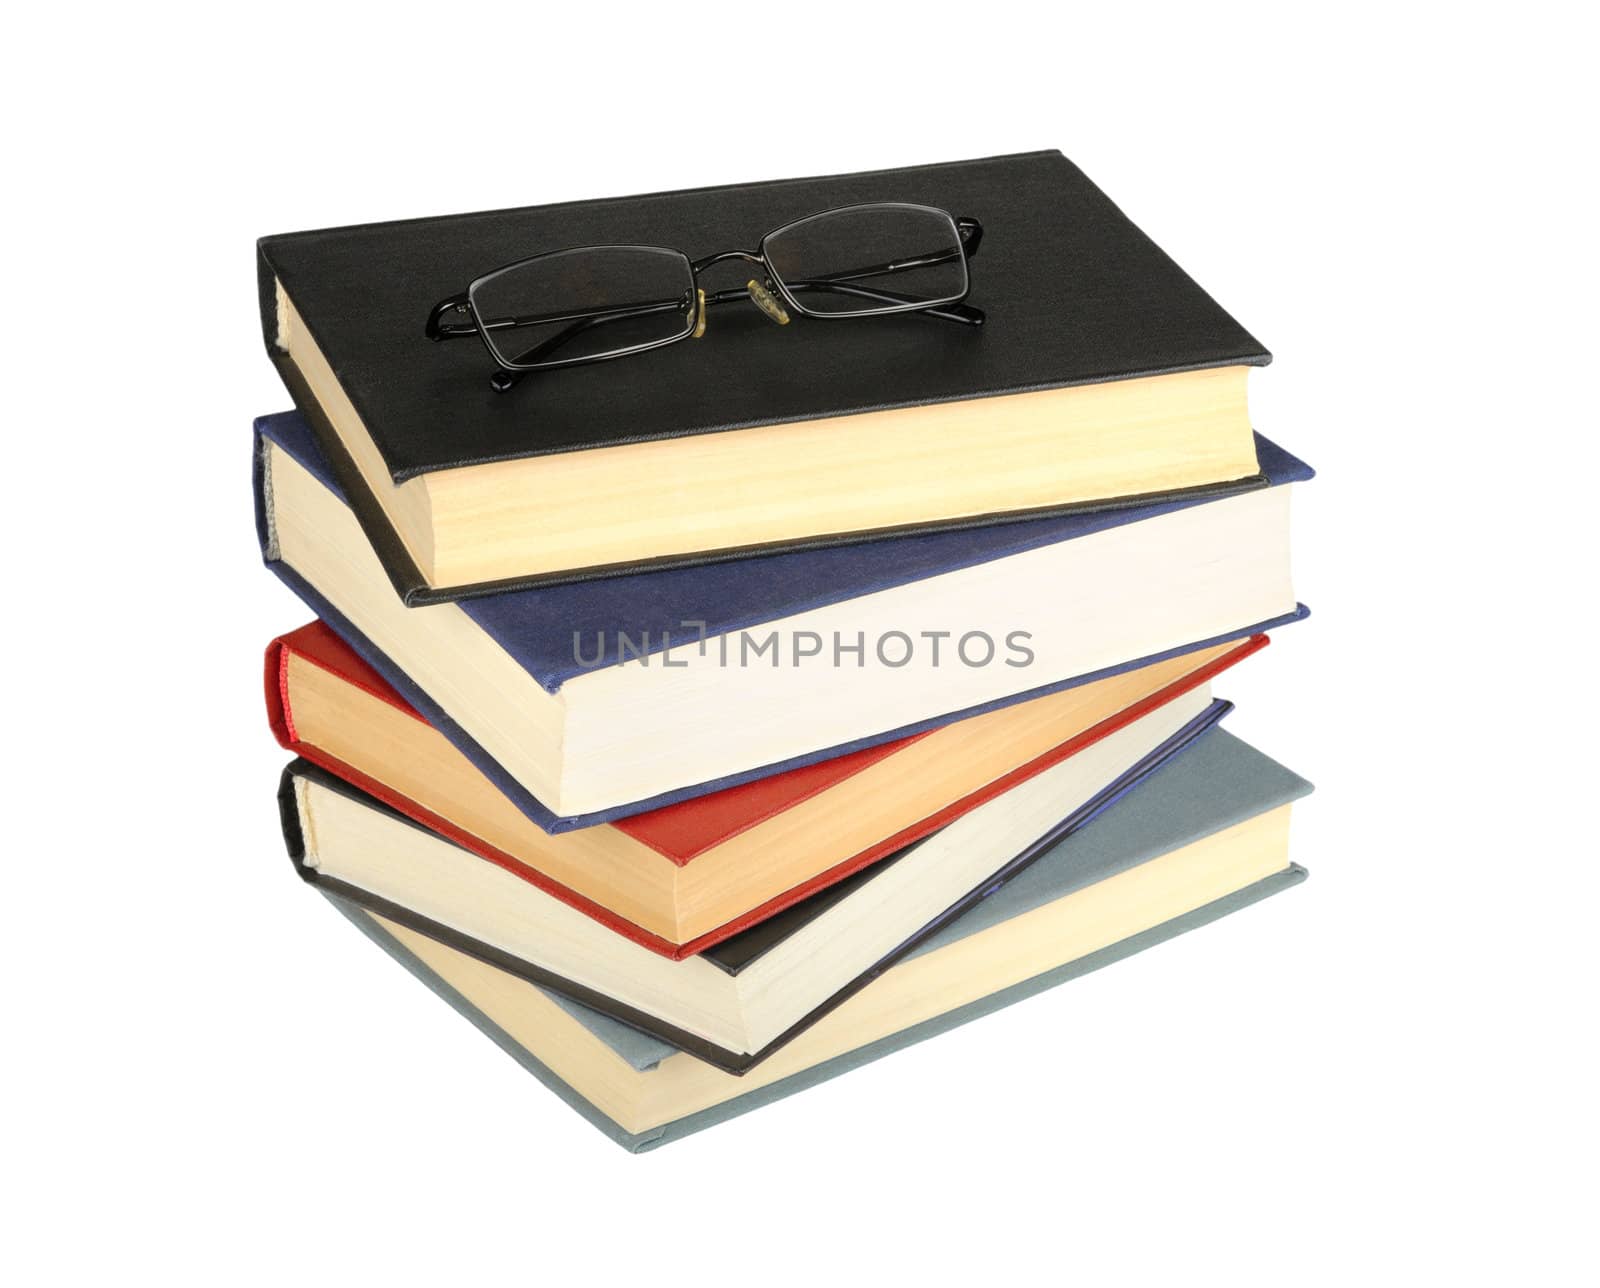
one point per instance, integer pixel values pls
(712, 1006)
(1098, 356)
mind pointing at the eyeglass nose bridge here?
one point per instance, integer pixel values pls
(723, 256)
(759, 294)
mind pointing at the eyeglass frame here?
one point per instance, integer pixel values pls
(968, 234)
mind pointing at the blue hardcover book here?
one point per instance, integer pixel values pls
(1204, 836)
(595, 700)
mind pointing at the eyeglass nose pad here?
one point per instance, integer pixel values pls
(767, 302)
(699, 314)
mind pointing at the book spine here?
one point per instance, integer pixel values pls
(275, 690)
(294, 843)
(267, 288)
(482, 849)
(280, 717)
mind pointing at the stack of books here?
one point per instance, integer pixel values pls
(707, 721)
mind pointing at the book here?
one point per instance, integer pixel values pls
(1103, 372)
(679, 879)
(591, 700)
(1204, 837)
(729, 1006)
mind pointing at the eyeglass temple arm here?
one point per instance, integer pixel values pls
(962, 313)
(954, 312)
(574, 329)
(504, 379)
(969, 230)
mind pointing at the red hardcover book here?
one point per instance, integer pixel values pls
(684, 877)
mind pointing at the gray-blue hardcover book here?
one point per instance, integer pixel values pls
(1205, 836)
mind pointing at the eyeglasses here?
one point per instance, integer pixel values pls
(592, 303)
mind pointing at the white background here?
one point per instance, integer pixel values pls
(1383, 1075)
